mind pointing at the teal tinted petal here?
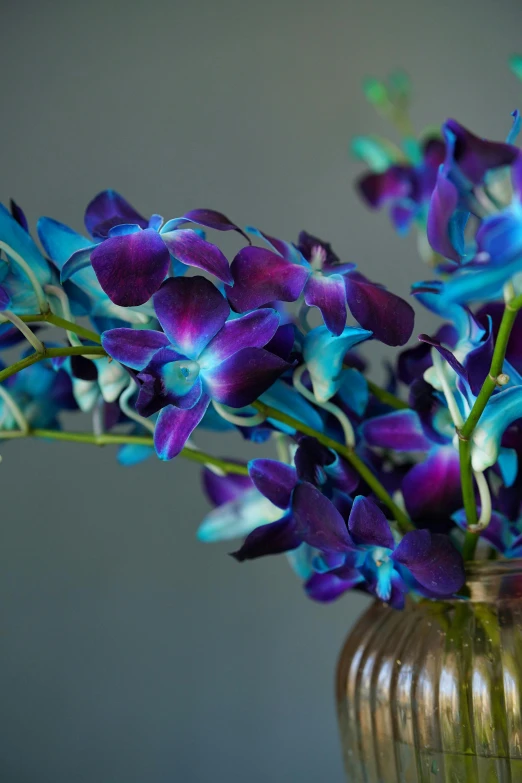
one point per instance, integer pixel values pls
(353, 391)
(287, 400)
(377, 153)
(324, 354)
(301, 560)
(515, 63)
(501, 411)
(133, 454)
(13, 235)
(508, 465)
(238, 517)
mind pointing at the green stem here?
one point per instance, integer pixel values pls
(466, 431)
(121, 440)
(403, 522)
(387, 397)
(62, 323)
(49, 353)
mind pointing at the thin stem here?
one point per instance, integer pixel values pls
(131, 414)
(43, 304)
(15, 410)
(122, 440)
(63, 299)
(25, 330)
(62, 323)
(49, 353)
(234, 418)
(342, 418)
(403, 522)
(511, 310)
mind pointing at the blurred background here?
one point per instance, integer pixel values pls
(129, 652)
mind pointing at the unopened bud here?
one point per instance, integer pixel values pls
(502, 379)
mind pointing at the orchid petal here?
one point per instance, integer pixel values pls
(324, 354)
(400, 431)
(109, 209)
(389, 317)
(433, 561)
(131, 268)
(186, 246)
(262, 277)
(432, 487)
(175, 426)
(253, 330)
(133, 347)
(244, 376)
(317, 520)
(275, 480)
(328, 294)
(191, 312)
(368, 525)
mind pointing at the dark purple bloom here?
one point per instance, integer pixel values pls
(200, 356)
(311, 268)
(422, 561)
(474, 156)
(406, 187)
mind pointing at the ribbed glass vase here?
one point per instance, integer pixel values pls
(434, 693)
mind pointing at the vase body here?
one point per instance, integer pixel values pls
(434, 693)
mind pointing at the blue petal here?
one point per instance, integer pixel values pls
(502, 410)
(354, 391)
(12, 233)
(324, 354)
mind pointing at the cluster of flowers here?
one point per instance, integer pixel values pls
(386, 490)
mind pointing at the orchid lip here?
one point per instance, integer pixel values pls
(180, 376)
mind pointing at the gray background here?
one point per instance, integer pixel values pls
(130, 652)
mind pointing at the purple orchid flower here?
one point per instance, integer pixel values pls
(299, 491)
(407, 187)
(131, 255)
(425, 562)
(312, 269)
(200, 356)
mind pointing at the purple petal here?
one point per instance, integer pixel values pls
(443, 205)
(191, 311)
(223, 489)
(389, 317)
(131, 268)
(109, 209)
(253, 330)
(275, 480)
(433, 561)
(343, 476)
(368, 525)
(189, 248)
(478, 362)
(446, 354)
(175, 426)
(310, 460)
(378, 188)
(494, 310)
(243, 377)
(83, 368)
(327, 587)
(133, 347)
(475, 156)
(262, 277)
(516, 175)
(282, 342)
(432, 488)
(402, 215)
(212, 219)
(19, 215)
(399, 431)
(329, 295)
(317, 520)
(271, 539)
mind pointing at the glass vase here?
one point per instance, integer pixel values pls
(434, 693)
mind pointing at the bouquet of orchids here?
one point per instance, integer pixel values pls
(158, 338)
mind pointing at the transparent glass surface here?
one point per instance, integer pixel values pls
(434, 693)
